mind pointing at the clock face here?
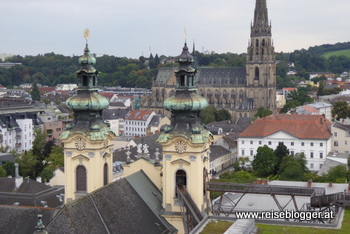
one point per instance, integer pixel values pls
(80, 143)
(180, 147)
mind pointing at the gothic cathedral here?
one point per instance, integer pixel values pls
(240, 90)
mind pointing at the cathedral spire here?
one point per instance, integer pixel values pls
(261, 20)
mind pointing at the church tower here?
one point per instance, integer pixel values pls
(87, 141)
(185, 145)
(261, 63)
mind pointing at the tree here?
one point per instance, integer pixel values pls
(27, 163)
(10, 168)
(293, 167)
(38, 150)
(293, 172)
(265, 161)
(35, 92)
(207, 115)
(262, 112)
(222, 114)
(211, 114)
(2, 172)
(337, 174)
(340, 110)
(56, 158)
(281, 151)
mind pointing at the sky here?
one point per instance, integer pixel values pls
(139, 27)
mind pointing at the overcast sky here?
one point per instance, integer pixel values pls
(137, 27)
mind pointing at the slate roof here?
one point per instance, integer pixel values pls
(341, 126)
(299, 126)
(16, 219)
(150, 140)
(29, 193)
(220, 77)
(231, 139)
(154, 121)
(115, 208)
(217, 151)
(114, 113)
(227, 126)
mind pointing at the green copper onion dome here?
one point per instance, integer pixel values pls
(87, 102)
(186, 98)
(185, 105)
(186, 101)
(87, 61)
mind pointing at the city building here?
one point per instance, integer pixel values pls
(308, 134)
(17, 130)
(115, 119)
(341, 138)
(317, 108)
(136, 122)
(241, 91)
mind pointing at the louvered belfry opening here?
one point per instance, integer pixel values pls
(81, 179)
(105, 174)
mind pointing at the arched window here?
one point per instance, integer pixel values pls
(81, 180)
(257, 74)
(181, 180)
(105, 174)
(182, 80)
(85, 81)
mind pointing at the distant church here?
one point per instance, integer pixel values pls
(239, 90)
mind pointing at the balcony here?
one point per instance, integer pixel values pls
(18, 144)
(18, 136)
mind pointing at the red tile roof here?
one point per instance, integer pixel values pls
(299, 126)
(138, 115)
(289, 89)
(46, 89)
(108, 95)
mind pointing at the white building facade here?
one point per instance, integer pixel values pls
(341, 138)
(136, 122)
(292, 134)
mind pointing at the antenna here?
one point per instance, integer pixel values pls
(185, 33)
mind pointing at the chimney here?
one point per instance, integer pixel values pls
(18, 179)
(330, 184)
(16, 170)
(309, 183)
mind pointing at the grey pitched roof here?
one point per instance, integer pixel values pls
(29, 193)
(23, 220)
(341, 126)
(155, 121)
(217, 151)
(115, 208)
(220, 77)
(227, 126)
(114, 113)
(231, 139)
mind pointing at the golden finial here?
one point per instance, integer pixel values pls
(86, 34)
